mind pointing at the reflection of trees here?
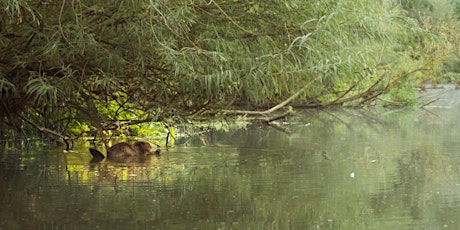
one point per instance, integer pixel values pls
(258, 177)
(123, 194)
(206, 193)
(424, 177)
(407, 191)
(412, 181)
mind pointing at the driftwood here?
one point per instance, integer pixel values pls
(271, 110)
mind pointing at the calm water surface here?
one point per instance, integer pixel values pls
(348, 169)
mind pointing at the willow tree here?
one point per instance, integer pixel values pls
(106, 64)
(68, 64)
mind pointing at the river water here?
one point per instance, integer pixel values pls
(329, 169)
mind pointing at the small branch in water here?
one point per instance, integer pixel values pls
(280, 128)
(271, 119)
(391, 102)
(325, 156)
(429, 102)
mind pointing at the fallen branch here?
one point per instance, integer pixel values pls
(274, 108)
(344, 94)
(429, 102)
(49, 131)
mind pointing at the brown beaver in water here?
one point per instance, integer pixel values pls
(124, 150)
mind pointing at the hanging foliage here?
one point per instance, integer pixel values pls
(114, 63)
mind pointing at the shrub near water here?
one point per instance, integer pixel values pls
(112, 64)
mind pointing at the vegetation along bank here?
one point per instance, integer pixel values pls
(84, 68)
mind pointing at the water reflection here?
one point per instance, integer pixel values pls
(348, 169)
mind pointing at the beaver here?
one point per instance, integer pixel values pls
(125, 150)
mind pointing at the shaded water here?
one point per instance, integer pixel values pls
(348, 169)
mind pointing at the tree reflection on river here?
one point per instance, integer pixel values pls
(347, 169)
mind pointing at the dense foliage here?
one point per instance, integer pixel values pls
(68, 67)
